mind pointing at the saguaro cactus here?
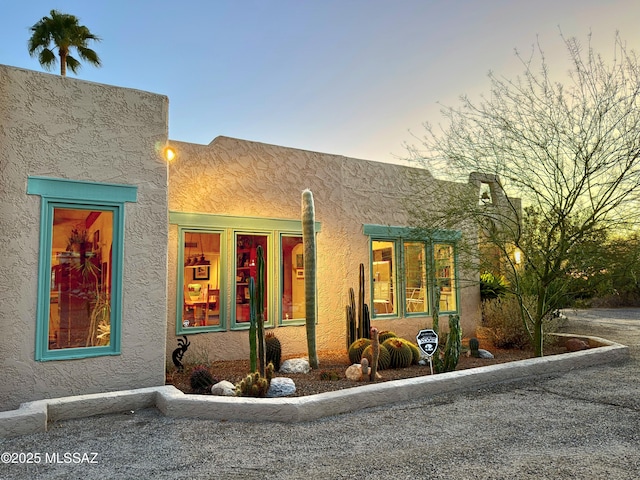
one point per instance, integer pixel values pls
(253, 346)
(309, 244)
(259, 306)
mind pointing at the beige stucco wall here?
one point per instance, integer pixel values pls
(67, 128)
(237, 177)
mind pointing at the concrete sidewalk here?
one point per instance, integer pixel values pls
(572, 425)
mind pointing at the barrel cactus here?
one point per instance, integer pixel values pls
(384, 360)
(356, 349)
(400, 352)
(415, 351)
(385, 335)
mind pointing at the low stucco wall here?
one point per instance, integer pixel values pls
(58, 127)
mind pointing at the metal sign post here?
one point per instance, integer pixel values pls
(428, 343)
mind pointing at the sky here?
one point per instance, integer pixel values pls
(349, 77)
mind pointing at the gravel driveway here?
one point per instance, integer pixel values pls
(582, 424)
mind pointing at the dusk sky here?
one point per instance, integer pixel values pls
(349, 77)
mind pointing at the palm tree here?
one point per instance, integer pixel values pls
(64, 32)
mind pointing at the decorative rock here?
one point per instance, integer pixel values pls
(575, 345)
(484, 353)
(224, 388)
(295, 365)
(354, 372)
(281, 387)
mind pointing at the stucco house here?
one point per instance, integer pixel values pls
(110, 254)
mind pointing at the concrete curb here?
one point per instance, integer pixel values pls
(34, 416)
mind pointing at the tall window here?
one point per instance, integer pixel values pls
(415, 277)
(246, 267)
(445, 276)
(293, 299)
(80, 294)
(201, 279)
(384, 274)
(404, 270)
(80, 269)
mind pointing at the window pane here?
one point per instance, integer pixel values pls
(80, 295)
(445, 276)
(293, 300)
(201, 280)
(415, 277)
(383, 277)
(246, 267)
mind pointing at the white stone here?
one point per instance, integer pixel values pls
(354, 372)
(281, 387)
(295, 365)
(224, 388)
(484, 353)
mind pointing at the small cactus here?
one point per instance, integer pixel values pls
(201, 379)
(273, 350)
(253, 385)
(474, 345)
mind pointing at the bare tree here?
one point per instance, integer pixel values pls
(569, 150)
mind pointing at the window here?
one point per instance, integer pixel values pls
(201, 279)
(246, 266)
(293, 299)
(220, 285)
(80, 267)
(401, 266)
(415, 278)
(445, 276)
(384, 275)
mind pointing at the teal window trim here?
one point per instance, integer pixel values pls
(291, 321)
(399, 235)
(63, 193)
(232, 225)
(222, 282)
(249, 224)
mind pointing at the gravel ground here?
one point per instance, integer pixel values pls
(582, 424)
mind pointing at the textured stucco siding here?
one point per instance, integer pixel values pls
(67, 128)
(237, 177)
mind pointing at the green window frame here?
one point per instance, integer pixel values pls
(79, 195)
(232, 229)
(404, 302)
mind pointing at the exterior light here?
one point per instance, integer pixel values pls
(169, 154)
(517, 256)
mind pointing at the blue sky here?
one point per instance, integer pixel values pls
(350, 77)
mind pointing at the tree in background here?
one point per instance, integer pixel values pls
(569, 150)
(64, 32)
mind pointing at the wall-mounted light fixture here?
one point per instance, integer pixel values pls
(517, 256)
(169, 154)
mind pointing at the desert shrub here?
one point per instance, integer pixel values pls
(491, 286)
(503, 319)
